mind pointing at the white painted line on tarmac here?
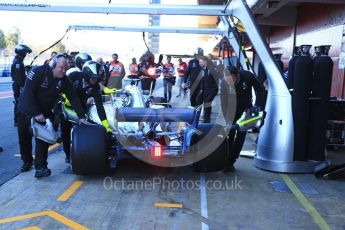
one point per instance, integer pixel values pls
(6, 94)
(203, 204)
(5, 97)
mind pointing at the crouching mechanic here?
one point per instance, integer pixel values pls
(92, 73)
(43, 87)
(236, 89)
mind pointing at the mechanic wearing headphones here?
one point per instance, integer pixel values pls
(241, 84)
(92, 73)
(43, 86)
(18, 74)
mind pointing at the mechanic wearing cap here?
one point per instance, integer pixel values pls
(18, 74)
(117, 73)
(241, 84)
(89, 92)
(43, 87)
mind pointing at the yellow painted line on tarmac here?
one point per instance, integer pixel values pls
(31, 228)
(23, 217)
(167, 205)
(53, 146)
(52, 214)
(66, 221)
(306, 204)
(70, 191)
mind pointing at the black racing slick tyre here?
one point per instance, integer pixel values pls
(216, 161)
(89, 150)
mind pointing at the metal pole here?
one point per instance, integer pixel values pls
(153, 9)
(150, 29)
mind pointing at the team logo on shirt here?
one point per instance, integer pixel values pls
(244, 86)
(58, 85)
(30, 75)
(76, 83)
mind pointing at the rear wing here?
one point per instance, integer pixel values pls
(189, 115)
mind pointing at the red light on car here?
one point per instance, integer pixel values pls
(157, 151)
(151, 71)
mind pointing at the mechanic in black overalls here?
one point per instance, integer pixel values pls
(192, 78)
(87, 87)
(208, 85)
(18, 74)
(43, 87)
(243, 82)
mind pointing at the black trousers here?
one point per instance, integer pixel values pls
(66, 128)
(196, 97)
(25, 138)
(167, 84)
(16, 94)
(41, 154)
(208, 97)
(146, 83)
(236, 139)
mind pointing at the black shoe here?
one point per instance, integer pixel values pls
(26, 167)
(68, 159)
(229, 168)
(43, 172)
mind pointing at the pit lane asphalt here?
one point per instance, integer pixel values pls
(9, 160)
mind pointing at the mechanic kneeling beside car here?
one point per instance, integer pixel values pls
(42, 88)
(92, 73)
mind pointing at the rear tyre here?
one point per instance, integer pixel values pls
(89, 150)
(217, 160)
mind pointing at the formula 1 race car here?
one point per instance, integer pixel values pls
(149, 129)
